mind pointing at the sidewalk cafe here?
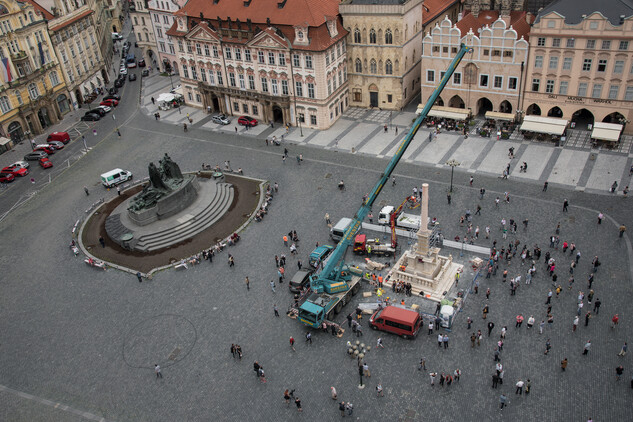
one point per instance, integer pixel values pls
(544, 128)
(606, 133)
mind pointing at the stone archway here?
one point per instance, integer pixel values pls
(373, 96)
(614, 117)
(79, 97)
(533, 110)
(484, 105)
(43, 117)
(278, 114)
(582, 118)
(15, 131)
(456, 102)
(505, 107)
(439, 102)
(555, 112)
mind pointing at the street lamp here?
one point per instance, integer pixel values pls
(453, 163)
(170, 81)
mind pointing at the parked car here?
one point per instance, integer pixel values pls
(56, 144)
(23, 164)
(105, 108)
(45, 163)
(35, 155)
(174, 89)
(115, 177)
(141, 63)
(247, 121)
(59, 136)
(113, 90)
(15, 170)
(300, 280)
(221, 119)
(46, 148)
(109, 103)
(123, 71)
(98, 111)
(6, 177)
(112, 97)
(119, 83)
(116, 36)
(132, 77)
(90, 117)
(145, 72)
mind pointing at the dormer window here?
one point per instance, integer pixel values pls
(300, 35)
(181, 25)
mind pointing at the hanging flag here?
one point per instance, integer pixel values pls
(6, 71)
(42, 58)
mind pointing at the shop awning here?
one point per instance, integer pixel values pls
(606, 132)
(4, 141)
(548, 125)
(446, 112)
(499, 116)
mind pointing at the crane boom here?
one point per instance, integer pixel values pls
(328, 279)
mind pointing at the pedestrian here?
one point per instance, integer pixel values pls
(308, 337)
(502, 401)
(563, 364)
(469, 322)
(440, 340)
(623, 350)
(233, 350)
(231, 261)
(139, 276)
(379, 343)
(587, 318)
(622, 230)
(565, 205)
(272, 285)
(495, 380)
(618, 372)
(422, 364)
(432, 375)
(292, 343)
(585, 350)
(349, 406)
(485, 311)
(575, 324)
(615, 320)
(85, 189)
(287, 397)
(519, 386)
(491, 325)
(596, 306)
(541, 326)
(159, 374)
(341, 408)
(298, 403)
(238, 350)
(528, 385)
(366, 370)
(600, 217)
(276, 310)
(248, 283)
(102, 241)
(548, 346)
(470, 182)
(379, 392)
(333, 393)
(445, 341)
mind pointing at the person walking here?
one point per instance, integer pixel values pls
(491, 325)
(102, 241)
(298, 403)
(615, 320)
(276, 310)
(565, 205)
(248, 283)
(585, 350)
(587, 318)
(333, 393)
(575, 324)
(272, 285)
(563, 364)
(379, 391)
(341, 408)
(309, 337)
(519, 386)
(623, 350)
(548, 346)
(287, 397)
(159, 374)
(596, 306)
(366, 370)
(292, 343)
(618, 372)
(502, 401)
(139, 276)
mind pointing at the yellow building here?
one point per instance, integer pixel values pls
(33, 94)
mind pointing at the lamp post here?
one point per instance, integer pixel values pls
(453, 163)
(170, 81)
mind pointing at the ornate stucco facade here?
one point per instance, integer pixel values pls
(383, 55)
(32, 89)
(162, 18)
(142, 27)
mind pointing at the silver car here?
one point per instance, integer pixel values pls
(35, 155)
(21, 164)
(56, 144)
(221, 119)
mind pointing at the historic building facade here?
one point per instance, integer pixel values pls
(162, 19)
(142, 23)
(581, 63)
(275, 61)
(489, 78)
(383, 54)
(32, 90)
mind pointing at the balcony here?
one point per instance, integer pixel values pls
(20, 55)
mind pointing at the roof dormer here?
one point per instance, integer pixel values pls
(331, 26)
(182, 24)
(301, 34)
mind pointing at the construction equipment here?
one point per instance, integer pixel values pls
(335, 284)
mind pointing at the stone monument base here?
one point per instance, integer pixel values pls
(168, 205)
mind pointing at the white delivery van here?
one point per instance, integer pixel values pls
(114, 177)
(337, 232)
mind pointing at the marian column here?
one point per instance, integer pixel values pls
(424, 233)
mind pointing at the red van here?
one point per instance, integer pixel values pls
(403, 322)
(59, 136)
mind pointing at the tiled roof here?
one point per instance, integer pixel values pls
(518, 21)
(71, 21)
(431, 9)
(310, 12)
(47, 15)
(573, 10)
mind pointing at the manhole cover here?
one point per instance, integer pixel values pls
(328, 175)
(163, 339)
(572, 219)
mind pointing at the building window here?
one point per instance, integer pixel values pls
(553, 62)
(298, 89)
(586, 65)
(231, 78)
(189, 48)
(295, 60)
(538, 62)
(457, 78)
(372, 66)
(624, 45)
(357, 36)
(327, 59)
(536, 83)
(203, 75)
(54, 78)
(388, 67)
(562, 89)
(486, 51)
(358, 96)
(591, 44)
(310, 90)
(388, 37)
(251, 82)
(606, 45)
(198, 48)
(247, 54)
(541, 42)
(430, 76)
(211, 77)
(313, 120)
(549, 86)
(227, 53)
(260, 57)
(236, 106)
(238, 54)
(571, 43)
(329, 87)
(220, 79)
(5, 106)
(498, 82)
(198, 98)
(483, 80)
(185, 71)
(372, 36)
(582, 89)
(206, 50)
(597, 90)
(512, 83)
(33, 91)
(255, 110)
(275, 86)
(271, 58)
(507, 53)
(194, 73)
(628, 94)
(358, 66)
(245, 108)
(282, 59)
(308, 62)
(284, 87)
(264, 84)
(613, 92)
(556, 42)
(241, 81)
(18, 97)
(216, 54)
(602, 65)
(618, 67)
(567, 63)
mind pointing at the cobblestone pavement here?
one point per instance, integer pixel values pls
(89, 339)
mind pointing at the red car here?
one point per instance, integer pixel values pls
(247, 121)
(109, 103)
(46, 163)
(46, 148)
(16, 170)
(6, 177)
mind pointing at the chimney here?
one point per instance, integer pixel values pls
(247, 3)
(281, 4)
(622, 19)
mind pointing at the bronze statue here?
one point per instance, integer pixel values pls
(170, 168)
(155, 179)
(162, 181)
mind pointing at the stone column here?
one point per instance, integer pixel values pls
(424, 232)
